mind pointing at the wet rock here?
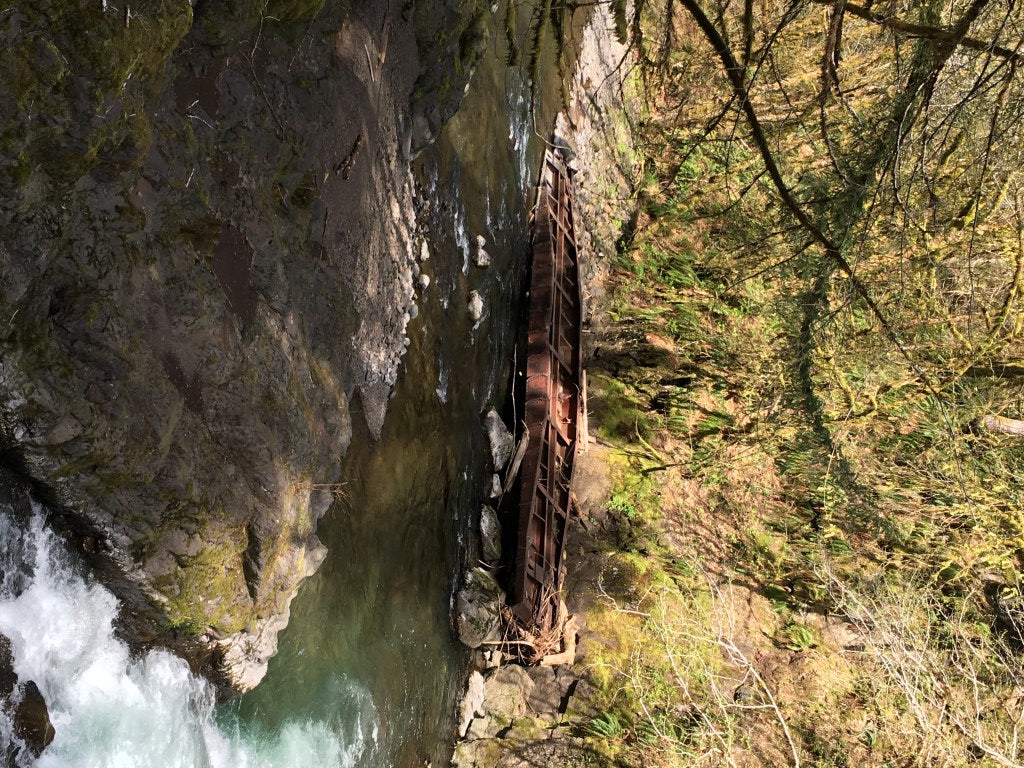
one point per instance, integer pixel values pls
(423, 282)
(490, 535)
(499, 438)
(7, 677)
(452, 41)
(478, 608)
(32, 720)
(475, 306)
(24, 704)
(494, 488)
(472, 702)
(480, 256)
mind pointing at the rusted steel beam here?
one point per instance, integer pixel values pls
(552, 412)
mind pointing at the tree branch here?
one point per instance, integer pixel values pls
(923, 31)
(945, 44)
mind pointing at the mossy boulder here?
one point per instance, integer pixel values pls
(478, 608)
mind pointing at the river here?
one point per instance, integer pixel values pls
(368, 671)
(401, 530)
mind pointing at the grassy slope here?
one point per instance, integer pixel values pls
(803, 560)
(782, 595)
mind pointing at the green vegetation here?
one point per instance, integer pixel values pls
(74, 82)
(203, 590)
(820, 306)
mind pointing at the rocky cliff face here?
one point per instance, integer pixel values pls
(206, 269)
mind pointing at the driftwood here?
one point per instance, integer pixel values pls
(1000, 425)
(584, 416)
(345, 166)
(535, 646)
(567, 656)
(517, 460)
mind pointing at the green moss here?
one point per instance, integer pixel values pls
(526, 728)
(483, 751)
(110, 46)
(206, 587)
(229, 21)
(21, 171)
(76, 77)
(32, 68)
(294, 10)
(620, 415)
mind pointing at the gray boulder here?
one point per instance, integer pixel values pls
(505, 694)
(472, 702)
(490, 535)
(478, 608)
(499, 438)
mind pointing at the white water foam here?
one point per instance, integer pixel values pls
(111, 710)
(442, 382)
(520, 126)
(461, 235)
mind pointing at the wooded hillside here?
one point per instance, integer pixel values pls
(812, 384)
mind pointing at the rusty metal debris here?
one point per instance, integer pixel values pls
(552, 404)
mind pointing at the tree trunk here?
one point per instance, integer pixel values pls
(1000, 425)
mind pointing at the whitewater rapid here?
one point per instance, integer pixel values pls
(113, 710)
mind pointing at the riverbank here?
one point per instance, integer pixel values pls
(521, 716)
(781, 557)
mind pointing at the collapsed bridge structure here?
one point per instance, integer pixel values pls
(553, 397)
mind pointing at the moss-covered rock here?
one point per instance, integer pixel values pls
(478, 608)
(451, 41)
(73, 82)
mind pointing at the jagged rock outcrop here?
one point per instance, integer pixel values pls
(457, 35)
(521, 717)
(206, 256)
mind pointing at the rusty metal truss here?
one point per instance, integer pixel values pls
(552, 400)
